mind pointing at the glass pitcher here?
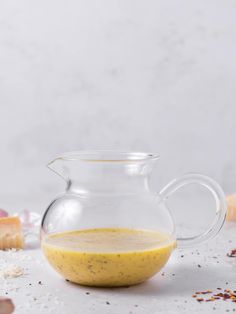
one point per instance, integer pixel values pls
(109, 228)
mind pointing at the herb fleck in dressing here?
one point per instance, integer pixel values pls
(107, 256)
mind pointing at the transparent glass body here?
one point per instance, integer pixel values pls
(108, 200)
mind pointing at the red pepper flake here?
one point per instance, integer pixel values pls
(226, 295)
(203, 292)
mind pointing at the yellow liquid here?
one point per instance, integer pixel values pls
(108, 257)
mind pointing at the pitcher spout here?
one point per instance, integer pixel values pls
(104, 171)
(57, 166)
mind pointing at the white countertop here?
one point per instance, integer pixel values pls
(168, 293)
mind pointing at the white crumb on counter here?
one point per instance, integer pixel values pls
(11, 271)
(19, 278)
(8, 267)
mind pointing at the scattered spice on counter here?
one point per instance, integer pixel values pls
(40, 282)
(209, 300)
(87, 292)
(203, 292)
(182, 256)
(108, 303)
(199, 266)
(227, 294)
(232, 253)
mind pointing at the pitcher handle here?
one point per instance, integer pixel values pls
(218, 195)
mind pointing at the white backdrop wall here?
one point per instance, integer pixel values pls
(118, 74)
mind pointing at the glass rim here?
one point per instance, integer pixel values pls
(107, 156)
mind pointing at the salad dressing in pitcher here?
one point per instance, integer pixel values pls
(110, 228)
(108, 256)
